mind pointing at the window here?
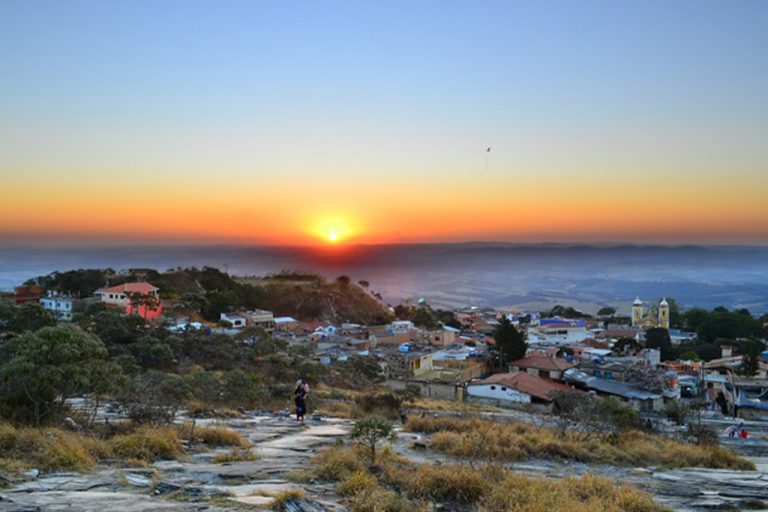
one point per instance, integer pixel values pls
(493, 388)
(503, 388)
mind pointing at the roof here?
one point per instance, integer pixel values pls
(542, 362)
(609, 386)
(284, 319)
(141, 287)
(537, 387)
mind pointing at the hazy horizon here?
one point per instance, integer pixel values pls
(532, 276)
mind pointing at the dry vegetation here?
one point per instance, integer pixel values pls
(52, 449)
(505, 442)
(399, 486)
(48, 449)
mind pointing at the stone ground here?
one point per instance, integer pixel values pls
(281, 445)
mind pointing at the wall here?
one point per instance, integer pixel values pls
(498, 392)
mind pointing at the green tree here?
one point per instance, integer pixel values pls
(43, 369)
(372, 431)
(750, 362)
(627, 345)
(606, 311)
(510, 343)
(424, 317)
(29, 316)
(658, 337)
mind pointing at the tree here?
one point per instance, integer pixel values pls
(606, 311)
(343, 281)
(30, 316)
(371, 431)
(154, 397)
(750, 362)
(658, 337)
(510, 343)
(43, 369)
(142, 303)
(627, 346)
(424, 317)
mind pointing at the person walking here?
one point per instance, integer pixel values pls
(300, 397)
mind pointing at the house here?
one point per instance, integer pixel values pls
(61, 307)
(261, 318)
(541, 365)
(517, 387)
(139, 298)
(558, 332)
(644, 401)
(27, 293)
(286, 323)
(236, 321)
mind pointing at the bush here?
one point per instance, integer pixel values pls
(337, 463)
(585, 494)
(386, 405)
(355, 483)
(148, 444)
(214, 436)
(235, 455)
(370, 432)
(503, 442)
(49, 449)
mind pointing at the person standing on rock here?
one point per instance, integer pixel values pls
(299, 397)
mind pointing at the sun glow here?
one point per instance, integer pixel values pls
(333, 230)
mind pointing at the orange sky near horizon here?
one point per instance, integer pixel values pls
(284, 213)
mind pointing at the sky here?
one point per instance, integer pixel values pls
(291, 123)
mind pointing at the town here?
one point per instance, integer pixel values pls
(625, 354)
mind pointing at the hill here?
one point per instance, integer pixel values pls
(306, 297)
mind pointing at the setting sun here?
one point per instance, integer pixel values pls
(333, 229)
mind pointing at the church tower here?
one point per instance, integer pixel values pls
(637, 312)
(664, 314)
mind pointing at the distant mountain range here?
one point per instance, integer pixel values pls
(526, 276)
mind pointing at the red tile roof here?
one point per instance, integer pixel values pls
(131, 287)
(537, 387)
(540, 361)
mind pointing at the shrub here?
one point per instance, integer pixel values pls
(148, 444)
(214, 436)
(49, 449)
(337, 463)
(586, 494)
(483, 439)
(370, 432)
(443, 483)
(235, 455)
(355, 483)
(282, 499)
(385, 405)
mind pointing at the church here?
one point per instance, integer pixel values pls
(653, 316)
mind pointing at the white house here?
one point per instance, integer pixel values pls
(236, 321)
(517, 387)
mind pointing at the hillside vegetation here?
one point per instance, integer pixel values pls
(306, 297)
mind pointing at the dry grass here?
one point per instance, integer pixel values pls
(49, 449)
(235, 455)
(147, 444)
(432, 404)
(504, 442)
(279, 505)
(404, 487)
(586, 494)
(214, 436)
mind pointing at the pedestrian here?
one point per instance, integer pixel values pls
(300, 397)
